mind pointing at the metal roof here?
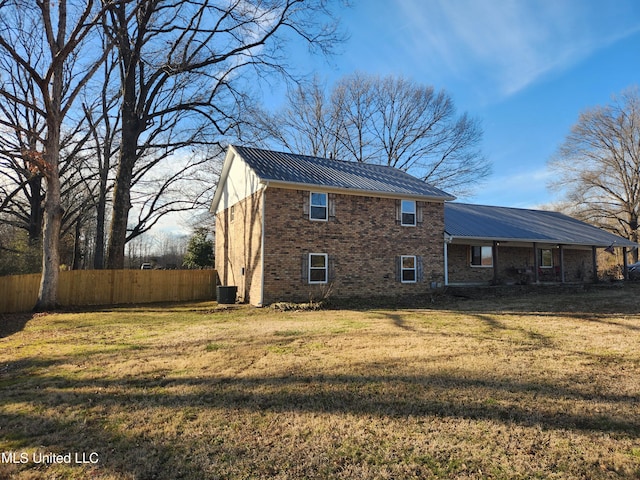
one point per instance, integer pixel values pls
(289, 168)
(483, 222)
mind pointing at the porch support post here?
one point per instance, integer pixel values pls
(561, 255)
(446, 262)
(595, 264)
(625, 265)
(494, 252)
(535, 263)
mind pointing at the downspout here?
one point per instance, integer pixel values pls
(264, 202)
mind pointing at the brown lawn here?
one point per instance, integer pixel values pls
(536, 385)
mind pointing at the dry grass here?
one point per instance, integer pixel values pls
(533, 386)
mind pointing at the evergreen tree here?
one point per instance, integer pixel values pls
(199, 250)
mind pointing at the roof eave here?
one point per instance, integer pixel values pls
(355, 191)
(552, 241)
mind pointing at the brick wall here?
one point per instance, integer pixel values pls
(238, 242)
(516, 264)
(362, 240)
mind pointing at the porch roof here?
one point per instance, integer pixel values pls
(482, 222)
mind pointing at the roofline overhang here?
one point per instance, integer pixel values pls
(226, 166)
(543, 241)
(354, 191)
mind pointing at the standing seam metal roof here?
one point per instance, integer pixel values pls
(515, 224)
(307, 170)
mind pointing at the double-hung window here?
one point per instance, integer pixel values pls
(481, 256)
(318, 206)
(318, 267)
(408, 269)
(408, 213)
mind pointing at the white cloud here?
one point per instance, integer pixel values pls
(506, 45)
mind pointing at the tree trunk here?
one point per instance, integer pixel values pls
(633, 223)
(77, 246)
(47, 295)
(122, 192)
(98, 258)
(120, 216)
(131, 129)
(35, 210)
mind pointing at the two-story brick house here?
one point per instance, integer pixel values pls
(293, 227)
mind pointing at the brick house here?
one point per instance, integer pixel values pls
(299, 228)
(292, 227)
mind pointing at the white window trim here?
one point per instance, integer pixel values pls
(415, 269)
(326, 269)
(325, 206)
(542, 256)
(472, 265)
(414, 213)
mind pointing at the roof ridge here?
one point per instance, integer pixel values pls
(315, 157)
(529, 209)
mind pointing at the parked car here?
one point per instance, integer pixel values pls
(634, 271)
(145, 266)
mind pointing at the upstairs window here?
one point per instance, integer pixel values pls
(408, 213)
(318, 206)
(481, 256)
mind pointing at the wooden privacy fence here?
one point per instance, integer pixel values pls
(18, 293)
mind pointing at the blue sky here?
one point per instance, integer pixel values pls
(525, 68)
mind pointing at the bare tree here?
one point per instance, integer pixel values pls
(184, 76)
(52, 64)
(305, 125)
(21, 184)
(598, 165)
(103, 123)
(390, 121)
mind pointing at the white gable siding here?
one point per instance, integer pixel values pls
(241, 182)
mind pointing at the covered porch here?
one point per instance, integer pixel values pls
(499, 245)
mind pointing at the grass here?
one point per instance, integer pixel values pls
(538, 385)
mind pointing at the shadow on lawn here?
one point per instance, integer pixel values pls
(11, 323)
(92, 409)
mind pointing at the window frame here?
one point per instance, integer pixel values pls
(483, 249)
(541, 256)
(325, 207)
(414, 212)
(413, 269)
(311, 268)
